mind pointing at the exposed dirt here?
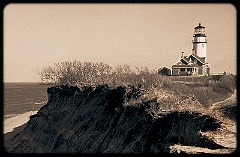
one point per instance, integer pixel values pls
(225, 103)
(226, 135)
(94, 120)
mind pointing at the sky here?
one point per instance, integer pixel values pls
(140, 35)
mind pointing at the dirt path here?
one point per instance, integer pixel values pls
(226, 135)
(225, 102)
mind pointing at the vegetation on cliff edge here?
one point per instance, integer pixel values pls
(170, 91)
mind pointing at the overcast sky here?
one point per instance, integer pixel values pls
(151, 35)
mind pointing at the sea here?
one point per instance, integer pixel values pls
(19, 98)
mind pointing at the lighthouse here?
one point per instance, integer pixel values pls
(195, 64)
(199, 42)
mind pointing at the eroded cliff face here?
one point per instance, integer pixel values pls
(94, 120)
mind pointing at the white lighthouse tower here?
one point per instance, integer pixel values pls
(199, 42)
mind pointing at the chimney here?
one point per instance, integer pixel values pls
(193, 51)
(182, 54)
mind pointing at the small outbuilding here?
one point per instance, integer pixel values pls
(164, 71)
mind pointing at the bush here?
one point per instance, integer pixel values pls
(171, 93)
(93, 74)
(76, 73)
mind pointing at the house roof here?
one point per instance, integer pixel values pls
(201, 59)
(185, 60)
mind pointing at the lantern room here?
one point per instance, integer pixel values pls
(199, 30)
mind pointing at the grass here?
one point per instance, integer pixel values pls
(181, 93)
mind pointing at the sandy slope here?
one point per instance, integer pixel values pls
(225, 102)
(11, 123)
(225, 136)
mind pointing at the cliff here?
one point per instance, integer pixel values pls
(95, 120)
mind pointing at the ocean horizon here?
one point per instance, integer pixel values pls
(22, 97)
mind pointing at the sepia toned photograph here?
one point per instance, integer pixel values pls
(120, 78)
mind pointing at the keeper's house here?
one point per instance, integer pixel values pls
(195, 64)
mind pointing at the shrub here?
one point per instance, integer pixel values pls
(76, 73)
(93, 74)
(143, 86)
(217, 77)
